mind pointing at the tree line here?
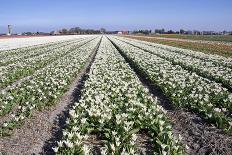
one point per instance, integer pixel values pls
(78, 30)
(181, 31)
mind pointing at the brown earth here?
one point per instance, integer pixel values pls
(223, 49)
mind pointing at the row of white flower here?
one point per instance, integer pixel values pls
(115, 106)
(7, 54)
(217, 59)
(204, 67)
(15, 43)
(44, 88)
(184, 88)
(26, 67)
(13, 56)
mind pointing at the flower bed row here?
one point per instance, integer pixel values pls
(184, 88)
(44, 88)
(26, 67)
(205, 67)
(16, 46)
(115, 106)
(216, 59)
(14, 56)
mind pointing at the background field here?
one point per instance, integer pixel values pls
(226, 38)
(220, 48)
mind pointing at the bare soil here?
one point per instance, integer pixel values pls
(144, 143)
(198, 136)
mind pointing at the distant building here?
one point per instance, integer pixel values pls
(123, 32)
(226, 33)
(208, 32)
(9, 30)
(195, 32)
(189, 32)
(159, 31)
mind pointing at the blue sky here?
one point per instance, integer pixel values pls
(47, 15)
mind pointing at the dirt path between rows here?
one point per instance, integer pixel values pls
(38, 134)
(198, 136)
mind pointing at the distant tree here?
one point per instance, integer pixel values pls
(170, 32)
(78, 30)
(52, 32)
(157, 31)
(27, 33)
(72, 30)
(146, 32)
(75, 30)
(64, 31)
(160, 31)
(182, 31)
(103, 30)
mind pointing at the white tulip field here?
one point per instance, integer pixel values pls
(119, 109)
